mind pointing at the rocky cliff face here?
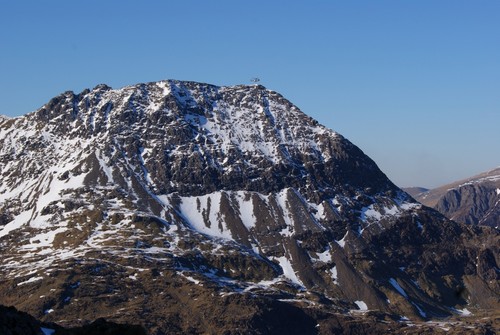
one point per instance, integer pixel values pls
(472, 201)
(197, 208)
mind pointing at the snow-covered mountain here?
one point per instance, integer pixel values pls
(144, 196)
(474, 200)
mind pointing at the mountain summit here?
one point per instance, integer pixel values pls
(198, 208)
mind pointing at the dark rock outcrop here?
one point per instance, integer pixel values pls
(14, 322)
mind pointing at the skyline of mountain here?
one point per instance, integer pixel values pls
(414, 85)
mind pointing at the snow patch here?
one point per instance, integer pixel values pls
(394, 210)
(361, 305)
(191, 279)
(342, 241)
(31, 280)
(47, 331)
(463, 312)
(369, 213)
(203, 214)
(246, 209)
(375, 213)
(409, 205)
(281, 198)
(43, 240)
(288, 270)
(17, 223)
(325, 256)
(398, 288)
(420, 311)
(104, 166)
(334, 273)
(319, 211)
(493, 178)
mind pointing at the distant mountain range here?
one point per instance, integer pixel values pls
(185, 207)
(474, 200)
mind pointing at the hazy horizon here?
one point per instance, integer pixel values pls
(414, 85)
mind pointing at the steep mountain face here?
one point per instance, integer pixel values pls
(195, 208)
(472, 201)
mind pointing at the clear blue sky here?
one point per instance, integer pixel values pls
(415, 84)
